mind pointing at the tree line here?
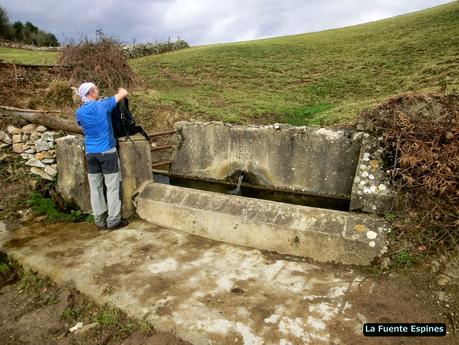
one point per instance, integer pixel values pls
(24, 32)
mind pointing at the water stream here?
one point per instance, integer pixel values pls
(237, 190)
(245, 190)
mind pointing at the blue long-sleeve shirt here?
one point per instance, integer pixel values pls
(94, 117)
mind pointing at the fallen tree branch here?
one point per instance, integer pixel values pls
(45, 118)
(48, 119)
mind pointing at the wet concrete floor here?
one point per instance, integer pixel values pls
(208, 292)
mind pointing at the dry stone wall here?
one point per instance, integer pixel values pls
(36, 145)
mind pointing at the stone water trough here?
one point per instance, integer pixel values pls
(343, 165)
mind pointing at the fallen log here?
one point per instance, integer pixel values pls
(48, 119)
(45, 118)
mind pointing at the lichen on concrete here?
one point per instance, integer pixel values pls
(371, 190)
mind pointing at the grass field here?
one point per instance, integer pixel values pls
(317, 78)
(28, 57)
(320, 78)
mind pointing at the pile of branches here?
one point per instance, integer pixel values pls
(101, 62)
(138, 50)
(421, 136)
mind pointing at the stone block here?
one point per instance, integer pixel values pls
(41, 129)
(321, 234)
(40, 156)
(50, 171)
(371, 191)
(7, 139)
(311, 160)
(13, 130)
(41, 173)
(135, 160)
(27, 156)
(35, 136)
(29, 129)
(17, 139)
(50, 154)
(35, 163)
(50, 136)
(72, 180)
(42, 145)
(72, 174)
(18, 148)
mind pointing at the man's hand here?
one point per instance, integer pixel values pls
(120, 94)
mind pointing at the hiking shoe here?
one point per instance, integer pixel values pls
(121, 224)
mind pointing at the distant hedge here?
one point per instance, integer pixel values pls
(131, 51)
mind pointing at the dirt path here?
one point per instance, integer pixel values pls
(36, 311)
(209, 292)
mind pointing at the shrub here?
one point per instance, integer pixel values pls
(101, 61)
(421, 136)
(132, 51)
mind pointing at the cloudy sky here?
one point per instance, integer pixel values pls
(201, 21)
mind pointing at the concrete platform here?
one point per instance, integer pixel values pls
(208, 292)
(321, 234)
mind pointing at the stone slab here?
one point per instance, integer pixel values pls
(41, 173)
(72, 179)
(135, 159)
(208, 292)
(72, 173)
(321, 234)
(314, 160)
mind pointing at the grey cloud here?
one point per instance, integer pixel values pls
(202, 21)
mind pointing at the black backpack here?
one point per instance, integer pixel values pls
(123, 122)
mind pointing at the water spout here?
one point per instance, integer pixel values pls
(237, 190)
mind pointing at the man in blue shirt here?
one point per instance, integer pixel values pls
(102, 160)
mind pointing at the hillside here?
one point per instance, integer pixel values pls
(28, 57)
(317, 78)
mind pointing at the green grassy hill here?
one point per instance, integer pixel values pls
(317, 78)
(29, 57)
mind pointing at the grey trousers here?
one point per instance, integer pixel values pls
(104, 167)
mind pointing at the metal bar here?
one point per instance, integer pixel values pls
(161, 172)
(158, 134)
(161, 147)
(157, 164)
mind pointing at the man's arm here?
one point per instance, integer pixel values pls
(120, 94)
